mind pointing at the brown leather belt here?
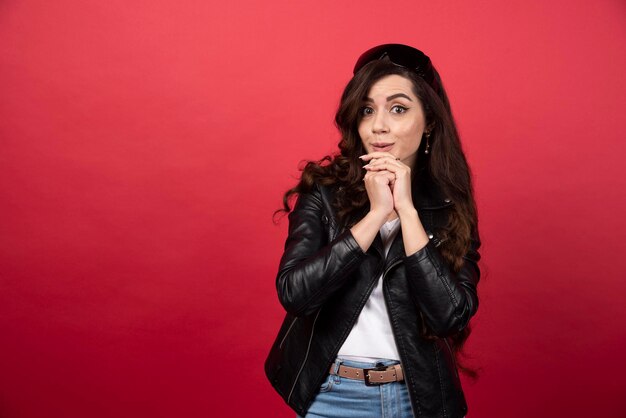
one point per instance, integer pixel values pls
(375, 376)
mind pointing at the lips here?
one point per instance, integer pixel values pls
(382, 146)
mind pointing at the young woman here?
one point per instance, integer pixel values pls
(379, 271)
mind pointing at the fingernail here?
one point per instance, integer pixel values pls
(362, 156)
(366, 165)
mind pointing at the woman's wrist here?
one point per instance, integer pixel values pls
(413, 234)
(367, 228)
(407, 213)
(378, 217)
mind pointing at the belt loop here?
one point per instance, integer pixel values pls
(399, 372)
(336, 376)
(337, 364)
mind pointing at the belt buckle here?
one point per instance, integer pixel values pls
(366, 375)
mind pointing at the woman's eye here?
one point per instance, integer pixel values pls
(398, 109)
(366, 111)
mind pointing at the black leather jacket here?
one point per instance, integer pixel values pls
(325, 279)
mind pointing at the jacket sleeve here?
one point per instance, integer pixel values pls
(447, 300)
(311, 269)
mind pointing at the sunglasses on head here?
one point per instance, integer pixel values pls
(403, 56)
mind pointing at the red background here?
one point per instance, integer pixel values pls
(145, 145)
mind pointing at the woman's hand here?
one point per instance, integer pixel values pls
(380, 163)
(414, 236)
(378, 185)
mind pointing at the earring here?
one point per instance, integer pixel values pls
(427, 143)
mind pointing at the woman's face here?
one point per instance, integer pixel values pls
(392, 119)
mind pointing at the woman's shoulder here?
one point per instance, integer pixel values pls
(317, 191)
(318, 197)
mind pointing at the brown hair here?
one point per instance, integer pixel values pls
(444, 167)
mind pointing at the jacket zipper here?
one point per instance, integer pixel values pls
(445, 340)
(306, 356)
(395, 263)
(387, 304)
(313, 330)
(287, 333)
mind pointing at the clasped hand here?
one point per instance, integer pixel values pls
(388, 183)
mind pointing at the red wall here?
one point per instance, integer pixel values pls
(145, 145)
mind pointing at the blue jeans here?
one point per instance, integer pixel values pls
(339, 397)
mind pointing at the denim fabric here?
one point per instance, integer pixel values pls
(339, 397)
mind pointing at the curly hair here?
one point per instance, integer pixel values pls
(445, 167)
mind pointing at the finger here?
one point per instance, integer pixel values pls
(377, 176)
(386, 166)
(371, 175)
(377, 161)
(388, 176)
(377, 154)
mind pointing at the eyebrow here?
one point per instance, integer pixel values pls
(390, 98)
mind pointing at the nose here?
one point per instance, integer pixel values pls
(379, 124)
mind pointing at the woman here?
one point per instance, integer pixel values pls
(379, 272)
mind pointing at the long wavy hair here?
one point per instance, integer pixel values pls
(444, 168)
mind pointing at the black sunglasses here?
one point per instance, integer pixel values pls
(404, 56)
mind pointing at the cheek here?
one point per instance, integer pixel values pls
(417, 130)
(411, 132)
(412, 136)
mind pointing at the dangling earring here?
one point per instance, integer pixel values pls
(427, 144)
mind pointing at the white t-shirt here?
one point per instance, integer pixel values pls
(371, 336)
